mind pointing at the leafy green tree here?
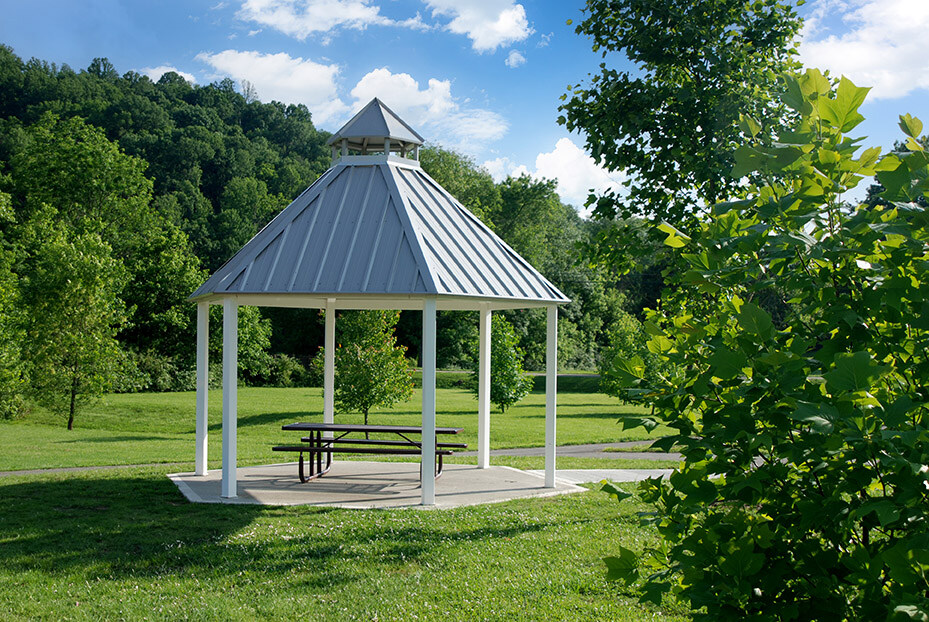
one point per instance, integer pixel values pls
(673, 123)
(371, 371)
(804, 486)
(96, 188)
(508, 382)
(12, 370)
(74, 312)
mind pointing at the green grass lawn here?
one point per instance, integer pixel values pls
(125, 544)
(146, 428)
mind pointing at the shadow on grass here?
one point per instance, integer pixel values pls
(119, 527)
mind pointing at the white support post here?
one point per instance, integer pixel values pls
(551, 391)
(230, 388)
(203, 384)
(427, 474)
(329, 366)
(483, 390)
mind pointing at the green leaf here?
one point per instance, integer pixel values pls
(913, 612)
(623, 567)
(794, 97)
(747, 160)
(853, 372)
(614, 492)
(749, 125)
(910, 125)
(726, 363)
(675, 238)
(756, 321)
(742, 561)
(844, 108)
(812, 414)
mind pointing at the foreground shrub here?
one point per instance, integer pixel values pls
(804, 487)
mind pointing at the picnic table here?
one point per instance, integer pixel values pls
(328, 438)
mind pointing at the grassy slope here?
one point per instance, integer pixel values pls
(124, 544)
(159, 427)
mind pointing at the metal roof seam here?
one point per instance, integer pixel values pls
(358, 224)
(393, 266)
(402, 211)
(320, 199)
(500, 243)
(233, 264)
(440, 251)
(479, 287)
(438, 196)
(277, 256)
(321, 266)
(488, 240)
(377, 242)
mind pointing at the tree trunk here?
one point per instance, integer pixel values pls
(73, 400)
(366, 422)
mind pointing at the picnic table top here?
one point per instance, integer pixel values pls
(348, 427)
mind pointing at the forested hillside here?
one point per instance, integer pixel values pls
(118, 195)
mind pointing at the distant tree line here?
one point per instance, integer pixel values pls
(119, 195)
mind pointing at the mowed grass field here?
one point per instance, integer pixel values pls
(149, 428)
(125, 544)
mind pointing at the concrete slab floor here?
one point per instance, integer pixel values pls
(368, 485)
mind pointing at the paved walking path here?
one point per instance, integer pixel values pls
(587, 476)
(594, 450)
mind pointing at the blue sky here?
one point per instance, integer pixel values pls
(481, 76)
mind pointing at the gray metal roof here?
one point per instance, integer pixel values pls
(378, 227)
(372, 124)
(377, 231)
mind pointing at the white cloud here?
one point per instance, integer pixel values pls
(882, 43)
(577, 173)
(488, 23)
(301, 18)
(155, 73)
(515, 59)
(544, 40)
(285, 79)
(432, 111)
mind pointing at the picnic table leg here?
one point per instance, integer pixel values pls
(302, 476)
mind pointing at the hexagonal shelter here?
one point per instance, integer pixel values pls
(375, 232)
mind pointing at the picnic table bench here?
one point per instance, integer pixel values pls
(328, 438)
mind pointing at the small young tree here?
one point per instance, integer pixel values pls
(72, 299)
(508, 382)
(371, 371)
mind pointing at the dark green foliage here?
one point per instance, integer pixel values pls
(804, 487)
(672, 124)
(206, 148)
(628, 349)
(371, 371)
(508, 382)
(12, 370)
